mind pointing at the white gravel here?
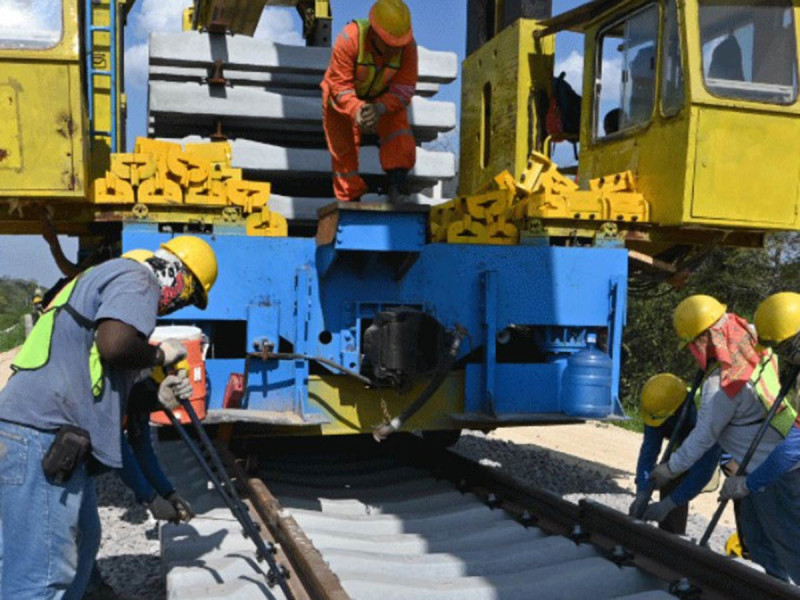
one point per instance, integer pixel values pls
(129, 551)
(573, 481)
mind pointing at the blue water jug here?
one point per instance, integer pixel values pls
(587, 383)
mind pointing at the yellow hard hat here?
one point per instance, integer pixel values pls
(199, 258)
(662, 394)
(694, 315)
(391, 20)
(139, 254)
(778, 318)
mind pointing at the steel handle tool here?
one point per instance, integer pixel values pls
(683, 415)
(224, 486)
(742, 470)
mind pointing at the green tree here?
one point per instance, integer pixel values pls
(16, 298)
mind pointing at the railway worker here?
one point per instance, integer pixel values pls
(367, 88)
(61, 411)
(736, 394)
(662, 396)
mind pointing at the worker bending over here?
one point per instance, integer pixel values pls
(61, 411)
(662, 396)
(367, 88)
(737, 393)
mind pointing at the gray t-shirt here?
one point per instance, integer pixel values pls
(59, 393)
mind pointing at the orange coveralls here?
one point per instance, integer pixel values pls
(358, 74)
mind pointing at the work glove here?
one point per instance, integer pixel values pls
(734, 488)
(181, 506)
(173, 389)
(662, 475)
(173, 351)
(638, 504)
(658, 511)
(162, 510)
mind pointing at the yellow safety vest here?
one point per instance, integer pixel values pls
(372, 81)
(767, 384)
(35, 352)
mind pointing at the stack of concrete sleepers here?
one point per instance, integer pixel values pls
(209, 557)
(269, 107)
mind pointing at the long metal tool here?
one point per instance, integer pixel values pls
(683, 415)
(229, 494)
(742, 470)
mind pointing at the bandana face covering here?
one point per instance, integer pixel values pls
(178, 286)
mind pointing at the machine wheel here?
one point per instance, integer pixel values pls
(444, 438)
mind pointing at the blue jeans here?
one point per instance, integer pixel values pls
(39, 520)
(771, 526)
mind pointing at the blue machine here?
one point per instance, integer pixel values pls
(525, 311)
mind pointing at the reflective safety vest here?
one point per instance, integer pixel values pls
(35, 352)
(372, 81)
(767, 384)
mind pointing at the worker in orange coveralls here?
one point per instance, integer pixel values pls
(367, 89)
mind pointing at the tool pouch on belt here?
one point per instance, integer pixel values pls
(70, 446)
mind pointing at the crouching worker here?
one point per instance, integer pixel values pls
(662, 397)
(367, 88)
(737, 394)
(61, 412)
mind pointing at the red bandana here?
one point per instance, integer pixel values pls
(732, 342)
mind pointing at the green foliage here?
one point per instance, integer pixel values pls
(740, 278)
(15, 300)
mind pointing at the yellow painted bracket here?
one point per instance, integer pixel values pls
(501, 232)
(217, 153)
(223, 174)
(267, 223)
(133, 167)
(489, 205)
(529, 178)
(160, 190)
(248, 194)
(158, 148)
(208, 193)
(113, 190)
(467, 231)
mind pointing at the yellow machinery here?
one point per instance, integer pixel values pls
(691, 106)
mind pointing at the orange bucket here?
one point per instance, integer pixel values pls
(194, 363)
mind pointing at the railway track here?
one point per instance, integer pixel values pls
(406, 520)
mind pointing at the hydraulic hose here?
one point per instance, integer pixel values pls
(383, 431)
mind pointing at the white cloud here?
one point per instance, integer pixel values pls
(573, 67)
(279, 25)
(158, 15)
(136, 65)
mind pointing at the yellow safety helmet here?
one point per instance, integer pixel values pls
(694, 315)
(391, 20)
(139, 254)
(778, 318)
(199, 258)
(662, 394)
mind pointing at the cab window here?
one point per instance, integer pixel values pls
(625, 73)
(672, 94)
(749, 49)
(34, 24)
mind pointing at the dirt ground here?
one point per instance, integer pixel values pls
(607, 448)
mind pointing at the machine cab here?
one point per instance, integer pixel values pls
(700, 100)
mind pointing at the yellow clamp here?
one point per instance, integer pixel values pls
(218, 154)
(467, 231)
(187, 168)
(267, 223)
(489, 205)
(501, 232)
(209, 193)
(160, 190)
(133, 167)
(529, 178)
(248, 194)
(158, 148)
(113, 190)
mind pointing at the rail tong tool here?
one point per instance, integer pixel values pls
(683, 416)
(216, 473)
(787, 386)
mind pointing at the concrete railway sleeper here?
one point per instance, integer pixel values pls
(408, 520)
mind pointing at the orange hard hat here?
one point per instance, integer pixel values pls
(391, 20)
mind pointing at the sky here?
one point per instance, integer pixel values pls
(438, 25)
